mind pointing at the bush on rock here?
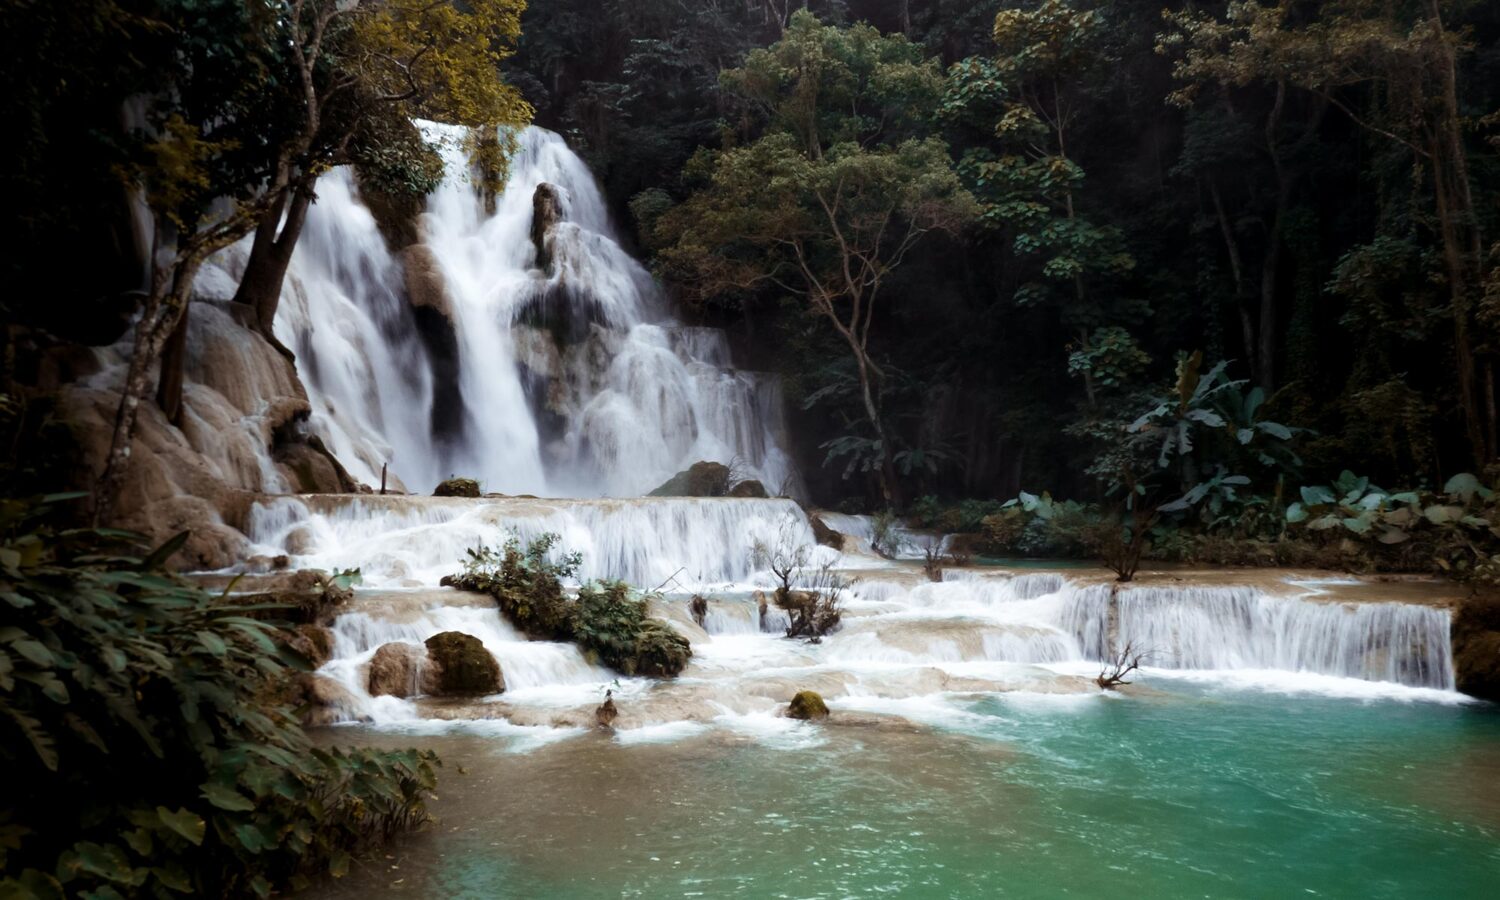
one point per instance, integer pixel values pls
(607, 621)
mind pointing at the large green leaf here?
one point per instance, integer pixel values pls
(184, 822)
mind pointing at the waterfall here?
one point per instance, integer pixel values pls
(570, 379)
(1246, 628)
(414, 541)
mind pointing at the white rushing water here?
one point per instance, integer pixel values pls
(905, 643)
(572, 379)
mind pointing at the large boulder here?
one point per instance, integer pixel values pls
(1476, 646)
(457, 487)
(396, 670)
(749, 488)
(701, 479)
(462, 666)
(807, 705)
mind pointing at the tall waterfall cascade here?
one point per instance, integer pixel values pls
(467, 354)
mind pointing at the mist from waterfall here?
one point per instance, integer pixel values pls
(573, 380)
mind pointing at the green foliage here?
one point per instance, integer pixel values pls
(613, 627)
(141, 756)
(605, 620)
(1455, 530)
(1039, 526)
(527, 583)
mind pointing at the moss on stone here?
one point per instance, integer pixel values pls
(466, 668)
(457, 487)
(807, 705)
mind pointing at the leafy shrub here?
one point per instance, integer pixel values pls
(526, 583)
(139, 754)
(605, 620)
(963, 517)
(1456, 531)
(1038, 526)
(612, 626)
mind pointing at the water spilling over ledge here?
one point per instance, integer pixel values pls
(903, 638)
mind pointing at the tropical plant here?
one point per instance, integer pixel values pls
(142, 755)
(1456, 530)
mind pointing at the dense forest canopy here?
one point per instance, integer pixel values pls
(978, 241)
(1304, 191)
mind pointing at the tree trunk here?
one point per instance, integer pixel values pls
(1462, 244)
(169, 382)
(163, 310)
(1237, 271)
(888, 487)
(270, 255)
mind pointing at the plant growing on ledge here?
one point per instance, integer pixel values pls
(605, 620)
(811, 597)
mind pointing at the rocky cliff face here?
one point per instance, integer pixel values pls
(240, 436)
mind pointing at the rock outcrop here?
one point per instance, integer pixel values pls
(1476, 646)
(546, 212)
(462, 666)
(823, 534)
(701, 479)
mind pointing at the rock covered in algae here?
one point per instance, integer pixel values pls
(701, 479)
(807, 705)
(457, 487)
(462, 667)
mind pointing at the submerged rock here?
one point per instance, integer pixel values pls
(807, 705)
(396, 670)
(462, 667)
(457, 487)
(749, 488)
(701, 479)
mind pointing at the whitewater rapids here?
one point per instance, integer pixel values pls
(908, 646)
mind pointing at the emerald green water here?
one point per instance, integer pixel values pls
(1184, 791)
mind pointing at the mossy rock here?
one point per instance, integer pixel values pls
(701, 479)
(807, 705)
(659, 651)
(464, 667)
(457, 487)
(749, 488)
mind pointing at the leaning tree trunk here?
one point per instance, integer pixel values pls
(173, 358)
(163, 310)
(270, 256)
